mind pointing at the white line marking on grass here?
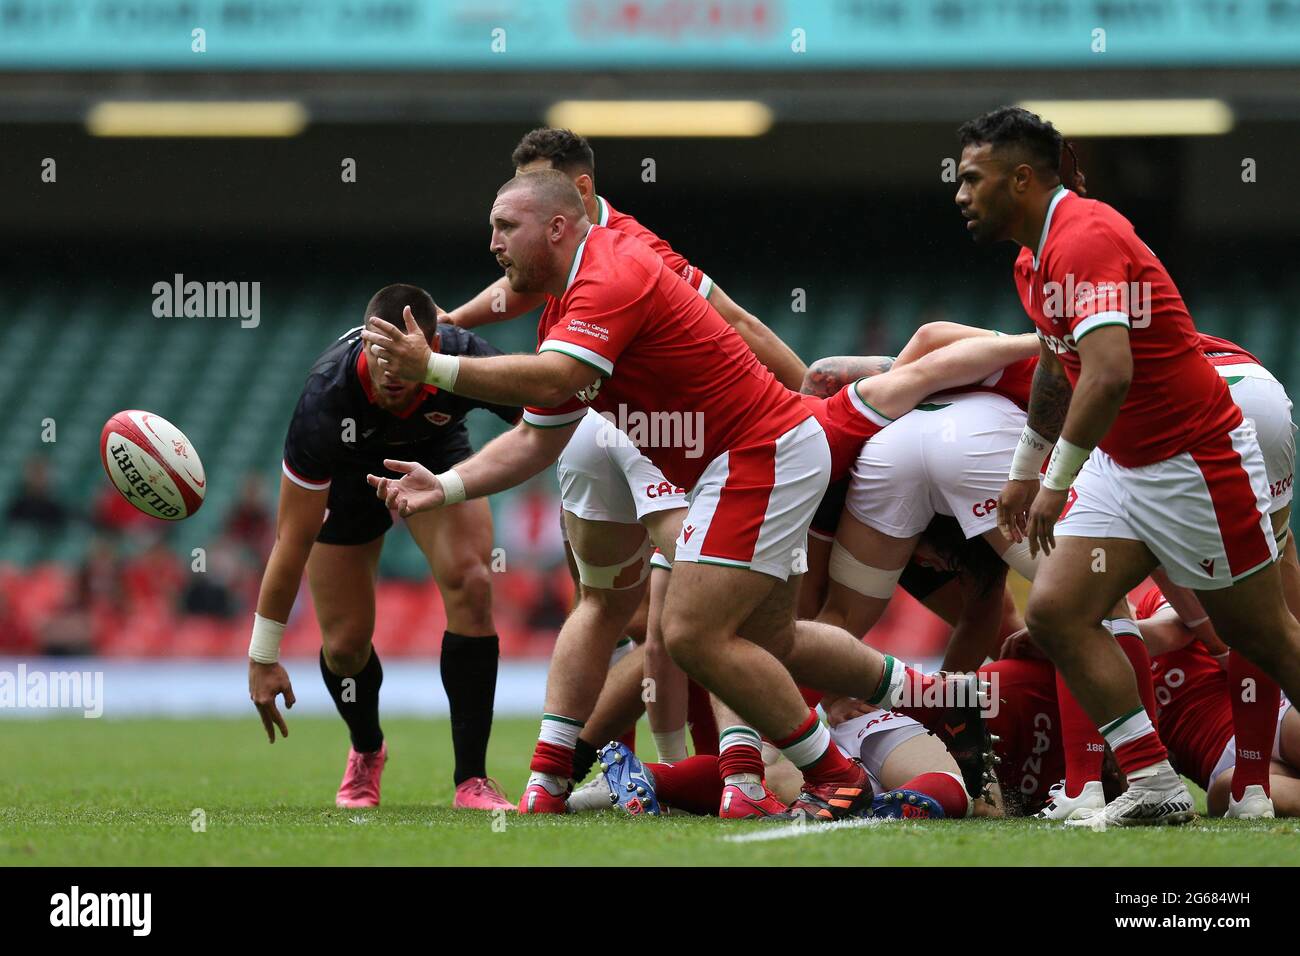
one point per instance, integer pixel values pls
(801, 829)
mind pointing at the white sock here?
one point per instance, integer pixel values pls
(809, 748)
(671, 745)
(549, 782)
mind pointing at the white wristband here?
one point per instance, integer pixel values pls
(442, 371)
(1027, 461)
(453, 489)
(1064, 467)
(265, 645)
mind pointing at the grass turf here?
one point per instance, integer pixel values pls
(81, 792)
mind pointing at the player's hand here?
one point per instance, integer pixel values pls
(404, 353)
(840, 709)
(1020, 645)
(417, 490)
(265, 683)
(1043, 515)
(1013, 507)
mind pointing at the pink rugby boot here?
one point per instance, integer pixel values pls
(360, 786)
(481, 793)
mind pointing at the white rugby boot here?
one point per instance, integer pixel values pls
(1061, 807)
(592, 795)
(1155, 799)
(1255, 804)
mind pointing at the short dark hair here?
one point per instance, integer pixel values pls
(389, 302)
(1038, 141)
(565, 149)
(973, 557)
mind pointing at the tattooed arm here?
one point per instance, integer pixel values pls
(1049, 396)
(827, 376)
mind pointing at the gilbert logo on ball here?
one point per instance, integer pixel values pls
(152, 464)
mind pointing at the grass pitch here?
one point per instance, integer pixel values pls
(78, 792)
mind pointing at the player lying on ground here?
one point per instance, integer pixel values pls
(351, 416)
(1159, 466)
(913, 774)
(1241, 745)
(613, 299)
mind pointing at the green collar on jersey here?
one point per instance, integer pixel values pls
(1047, 222)
(602, 219)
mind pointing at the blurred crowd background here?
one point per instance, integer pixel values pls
(810, 176)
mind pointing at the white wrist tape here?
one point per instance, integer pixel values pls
(453, 489)
(1027, 461)
(847, 570)
(265, 645)
(1064, 467)
(442, 371)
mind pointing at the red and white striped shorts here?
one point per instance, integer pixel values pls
(752, 505)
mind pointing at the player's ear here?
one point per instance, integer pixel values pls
(1022, 177)
(585, 186)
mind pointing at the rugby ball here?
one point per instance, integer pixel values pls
(153, 465)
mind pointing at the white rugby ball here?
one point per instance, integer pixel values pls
(152, 463)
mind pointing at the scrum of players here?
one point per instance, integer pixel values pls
(745, 520)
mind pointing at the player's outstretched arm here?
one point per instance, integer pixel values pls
(779, 358)
(506, 461)
(298, 520)
(497, 303)
(961, 363)
(935, 335)
(543, 380)
(826, 376)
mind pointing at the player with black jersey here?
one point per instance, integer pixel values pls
(351, 416)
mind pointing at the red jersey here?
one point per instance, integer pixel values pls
(1013, 382)
(1222, 352)
(1028, 724)
(1090, 271)
(1194, 714)
(848, 422)
(607, 215)
(675, 377)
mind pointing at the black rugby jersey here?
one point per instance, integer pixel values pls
(337, 427)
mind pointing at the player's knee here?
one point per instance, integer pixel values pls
(347, 648)
(468, 583)
(683, 644)
(1046, 621)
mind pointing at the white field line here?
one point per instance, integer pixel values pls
(800, 829)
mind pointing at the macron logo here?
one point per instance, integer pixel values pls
(103, 909)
